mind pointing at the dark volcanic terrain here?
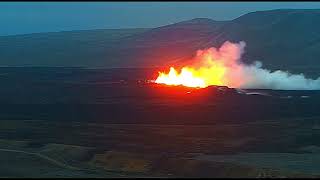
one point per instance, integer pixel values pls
(81, 103)
(75, 122)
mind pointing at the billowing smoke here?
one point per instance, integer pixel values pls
(254, 76)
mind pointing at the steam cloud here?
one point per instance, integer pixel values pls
(253, 76)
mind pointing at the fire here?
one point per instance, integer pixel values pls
(223, 67)
(191, 77)
(209, 67)
(186, 78)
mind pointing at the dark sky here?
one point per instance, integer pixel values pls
(30, 17)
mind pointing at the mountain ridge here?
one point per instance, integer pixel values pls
(282, 39)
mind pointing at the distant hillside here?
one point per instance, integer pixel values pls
(87, 48)
(281, 39)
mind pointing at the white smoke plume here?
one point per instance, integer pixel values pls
(254, 76)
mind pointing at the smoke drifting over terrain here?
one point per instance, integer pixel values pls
(254, 76)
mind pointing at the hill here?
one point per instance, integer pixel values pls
(282, 39)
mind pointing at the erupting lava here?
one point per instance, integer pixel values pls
(209, 67)
(191, 78)
(223, 67)
(185, 78)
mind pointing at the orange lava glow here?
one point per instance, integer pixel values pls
(213, 66)
(191, 77)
